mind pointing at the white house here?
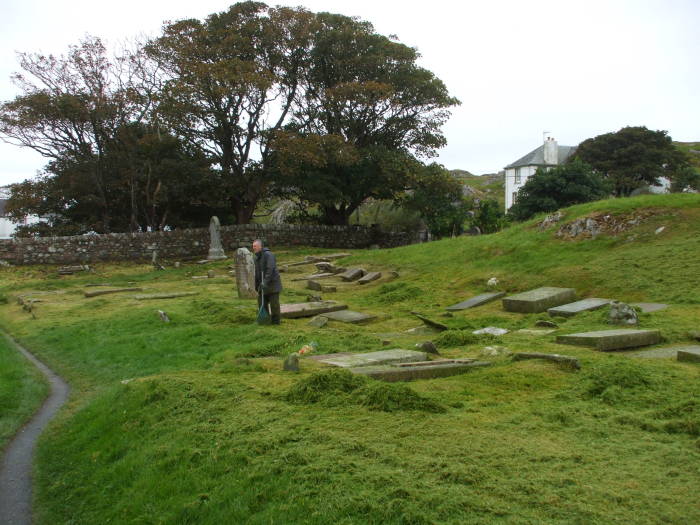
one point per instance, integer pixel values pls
(548, 155)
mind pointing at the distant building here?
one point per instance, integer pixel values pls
(548, 155)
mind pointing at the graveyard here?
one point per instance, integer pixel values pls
(474, 379)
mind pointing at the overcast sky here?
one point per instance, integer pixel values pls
(574, 68)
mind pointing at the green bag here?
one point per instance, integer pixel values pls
(263, 314)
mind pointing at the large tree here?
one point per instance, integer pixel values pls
(229, 82)
(364, 112)
(632, 157)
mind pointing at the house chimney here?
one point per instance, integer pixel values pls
(551, 151)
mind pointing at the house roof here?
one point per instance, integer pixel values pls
(536, 157)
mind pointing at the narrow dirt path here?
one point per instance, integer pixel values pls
(16, 465)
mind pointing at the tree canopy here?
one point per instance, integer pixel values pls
(632, 157)
(550, 189)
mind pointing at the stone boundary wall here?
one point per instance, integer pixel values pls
(186, 243)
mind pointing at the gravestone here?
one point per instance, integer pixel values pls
(95, 293)
(319, 321)
(535, 331)
(648, 308)
(477, 300)
(381, 357)
(173, 295)
(245, 274)
(313, 285)
(348, 316)
(662, 353)
(413, 371)
(369, 277)
(584, 305)
(491, 330)
(606, 340)
(291, 363)
(216, 250)
(621, 313)
(353, 274)
(428, 347)
(689, 354)
(565, 360)
(296, 310)
(538, 300)
(430, 323)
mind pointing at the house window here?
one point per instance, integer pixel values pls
(517, 175)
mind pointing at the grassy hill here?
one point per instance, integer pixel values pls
(488, 186)
(693, 151)
(195, 422)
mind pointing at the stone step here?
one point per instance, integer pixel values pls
(606, 340)
(381, 357)
(349, 316)
(296, 310)
(477, 300)
(539, 299)
(420, 371)
(584, 305)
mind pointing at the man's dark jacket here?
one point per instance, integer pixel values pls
(266, 272)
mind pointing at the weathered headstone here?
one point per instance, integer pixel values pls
(689, 354)
(430, 323)
(584, 305)
(428, 347)
(349, 316)
(155, 262)
(210, 274)
(216, 249)
(319, 321)
(621, 313)
(538, 300)
(476, 301)
(163, 316)
(381, 357)
(369, 277)
(295, 310)
(313, 285)
(245, 274)
(291, 363)
(606, 340)
(413, 371)
(352, 274)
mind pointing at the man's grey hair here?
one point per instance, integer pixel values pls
(259, 241)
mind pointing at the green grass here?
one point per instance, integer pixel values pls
(195, 422)
(22, 390)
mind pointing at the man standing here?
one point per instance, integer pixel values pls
(268, 283)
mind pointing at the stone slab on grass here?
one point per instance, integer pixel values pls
(665, 352)
(648, 308)
(606, 340)
(95, 293)
(321, 357)
(565, 360)
(349, 316)
(295, 310)
(173, 295)
(539, 299)
(535, 331)
(689, 354)
(353, 274)
(584, 305)
(419, 371)
(382, 357)
(477, 300)
(369, 277)
(430, 323)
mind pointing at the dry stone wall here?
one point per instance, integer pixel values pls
(186, 243)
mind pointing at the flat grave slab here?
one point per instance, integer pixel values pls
(648, 308)
(353, 274)
(174, 295)
(295, 310)
(349, 316)
(321, 357)
(605, 340)
(663, 353)
(536, 331)
(430, 323)
(95, 293)
(381, 357)
(369, 277)
(538, 300)
(477, 300)
(419, 370)
(689, 354)
(584, 305)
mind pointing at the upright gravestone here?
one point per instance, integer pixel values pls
(245, 274)
(216, 250)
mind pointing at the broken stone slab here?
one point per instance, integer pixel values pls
(584, 305)
(422, 330)
(349, 316)
(661, 353)
(648, 308)
(491, 330)
(566, 360)
(477, 300)
(530, 331)
(319, 321)
(353, 274)
(689, 354)
(173, 295)
(606, 340)
(623, 314)
(428, 347)
(429, 322)
(328, 288)
(313, 285)
(95, 293)
(393, 374)
(314, 276)
(369, 277)
(328, 267)
(329, 256)
(382, 357)
(295, 310)
(538, 300)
